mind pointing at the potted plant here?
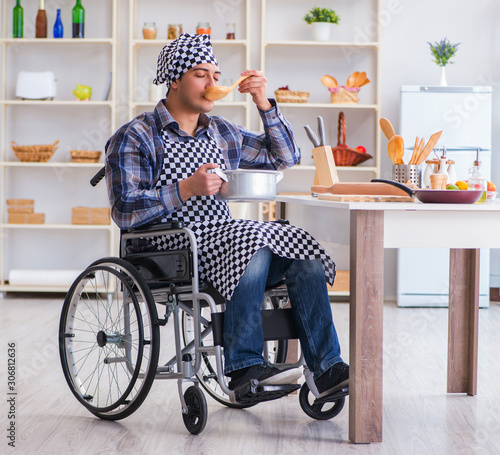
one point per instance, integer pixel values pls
(443, 52)
(321, 20)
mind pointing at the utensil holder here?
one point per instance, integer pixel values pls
(404, 173)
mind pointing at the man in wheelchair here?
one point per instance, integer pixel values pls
(157, 171)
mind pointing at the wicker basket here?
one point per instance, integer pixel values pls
(289, 96)
(342, 154)
(85, 156)
(34, 153)
(342, 95)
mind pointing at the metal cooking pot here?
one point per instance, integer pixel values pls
(247, 185)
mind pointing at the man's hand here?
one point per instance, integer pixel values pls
(257, 87)
(201, 183)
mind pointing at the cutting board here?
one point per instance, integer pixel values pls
(362, 188)
(364, 198)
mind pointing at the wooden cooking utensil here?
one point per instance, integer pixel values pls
(351, 80)
(329, 81)
(387, 128)
(220, 91)
(396, 149)
(414, 153)
(360, 80)
(428, 147)
(366, 81)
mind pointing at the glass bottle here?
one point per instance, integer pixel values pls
(203, 28)
(41, 21)
(58, 26)
(477, 181)
(78, 20)
(18, 20)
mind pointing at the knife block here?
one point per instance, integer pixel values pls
(326, 171)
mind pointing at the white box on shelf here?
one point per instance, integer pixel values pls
(36, 86)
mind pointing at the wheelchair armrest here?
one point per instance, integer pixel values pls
(154, 228)
(144, 232)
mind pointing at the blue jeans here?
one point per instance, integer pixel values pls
(312, 314)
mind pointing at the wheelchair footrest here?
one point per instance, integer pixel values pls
(252, 392)
(333, 397)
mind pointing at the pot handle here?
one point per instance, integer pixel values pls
(219, 172)
(401, 186)
(279, 176)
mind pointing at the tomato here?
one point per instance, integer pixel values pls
(361, 149)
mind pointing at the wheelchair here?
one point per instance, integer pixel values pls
(109, 335)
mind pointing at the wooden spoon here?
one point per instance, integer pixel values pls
(428, 147)
(387, 128)
(414, 153)
(351, 79)
(396, 149)
(360, 79)
(329, 81)
(366, 81)
(220, 91)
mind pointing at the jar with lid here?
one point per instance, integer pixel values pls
(149, 30)
(174, 31)
(203, 28)
(230, 31)
(430, 168)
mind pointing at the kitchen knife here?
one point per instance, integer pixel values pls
(321, 131)
(312, 137)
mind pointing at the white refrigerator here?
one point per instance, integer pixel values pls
(464, 116)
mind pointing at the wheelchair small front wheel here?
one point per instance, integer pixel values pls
(109, 339)
(196, 416)
(321, 411)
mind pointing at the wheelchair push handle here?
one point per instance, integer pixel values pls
(98, 177)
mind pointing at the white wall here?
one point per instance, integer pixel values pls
(407, 26)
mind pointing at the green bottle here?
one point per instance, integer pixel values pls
(78, 20)
(18, 20)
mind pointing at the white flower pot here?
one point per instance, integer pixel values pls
(321, 31)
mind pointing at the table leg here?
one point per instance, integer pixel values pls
(463, 318)
(366, 319)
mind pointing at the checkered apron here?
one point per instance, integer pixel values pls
(226, 245)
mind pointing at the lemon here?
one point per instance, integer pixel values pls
(461, 185)
(450, 186)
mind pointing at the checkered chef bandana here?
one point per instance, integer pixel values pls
(180, 55)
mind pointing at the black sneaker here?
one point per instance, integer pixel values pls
(266, 374)
(333, 379)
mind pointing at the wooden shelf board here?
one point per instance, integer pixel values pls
(106, 227)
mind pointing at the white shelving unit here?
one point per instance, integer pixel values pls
(233, 55)
(59, 184)
(290, 57)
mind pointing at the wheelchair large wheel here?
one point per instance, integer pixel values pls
(109, 339)
(207, 374)
(321, 411)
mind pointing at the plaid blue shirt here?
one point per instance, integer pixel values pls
(135, 156)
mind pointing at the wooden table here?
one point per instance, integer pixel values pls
(464, 228)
